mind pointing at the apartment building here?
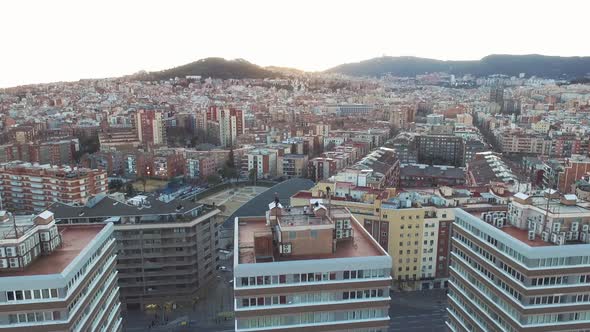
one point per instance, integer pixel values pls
(321, 168)
(519, 142)
(417, 236)
(151, 127)
(224, 124)
(56, 152)
(522, 269)
(440, 150)
(413, 227)
(192, 168)
(292, 165)
(263, 161)
(574, 169)
(119, 139)
(350, 109)
(166, 247)
(57, 277)
(29, 188)
(309, 268)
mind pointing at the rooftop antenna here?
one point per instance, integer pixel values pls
(328, 191)
(14, 225)
(546, 215)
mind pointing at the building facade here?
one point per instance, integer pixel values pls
(151, 127)
(525, 269)
(440, 150)
(311, 268)
(166, 250)
(28, 188)
(57, 277)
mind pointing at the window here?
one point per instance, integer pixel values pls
(313, 233)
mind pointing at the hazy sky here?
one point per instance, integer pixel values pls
(54, 40)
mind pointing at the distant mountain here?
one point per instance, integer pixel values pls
(511, 65)
(285, 70)
(212, 67)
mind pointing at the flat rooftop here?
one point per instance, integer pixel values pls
(74, 239)
(523, 236)
(361, 245)
(301, 216)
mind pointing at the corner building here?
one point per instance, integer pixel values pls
(509, 275)
(310, 268)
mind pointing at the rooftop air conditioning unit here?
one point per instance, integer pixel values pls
(553, 237)
(285, 248)
(584, 237)
(556, 227)
(531, 235)
(575, 225)
(560, 240)
(545, 236)
(585, 228)
(568, 236)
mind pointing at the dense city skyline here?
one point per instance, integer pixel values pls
(194, 182)
(67, 41)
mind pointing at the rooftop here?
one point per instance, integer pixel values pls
(102, 206)
(74, 239)
(361, 245)
(523, 236)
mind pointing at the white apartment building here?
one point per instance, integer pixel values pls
(58, 278)
(310, 268)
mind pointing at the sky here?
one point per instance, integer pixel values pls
(46, 41)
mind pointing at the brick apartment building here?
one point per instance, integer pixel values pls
(29, 188)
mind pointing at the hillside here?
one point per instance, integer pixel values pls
(511, 65)
(214, 68)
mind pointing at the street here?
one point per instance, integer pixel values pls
(419, 311)
(202, 316)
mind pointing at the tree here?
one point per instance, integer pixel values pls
(129, 190)
(253, 174)
(143, 182)
(115, 184)
(330, 146)
(88, 144)
(229, 169)
(229, 172)
(213, 179)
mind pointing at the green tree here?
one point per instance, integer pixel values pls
(252, 174)
(213, 179)
(129, 190)
(115, 184)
